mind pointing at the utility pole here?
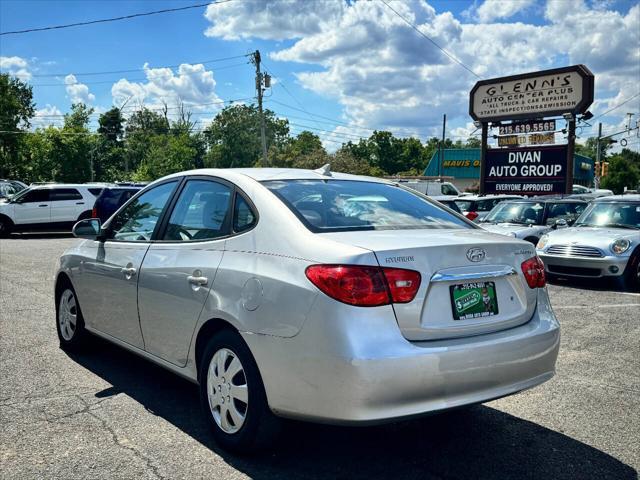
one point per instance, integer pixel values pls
(598, 165)
(260, 90)
(441, 153)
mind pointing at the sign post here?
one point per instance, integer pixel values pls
(531, 97)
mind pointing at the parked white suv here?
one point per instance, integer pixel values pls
(41, 207)
(432, 188)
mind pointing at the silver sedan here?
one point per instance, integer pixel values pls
(312, 295)
(604, 242)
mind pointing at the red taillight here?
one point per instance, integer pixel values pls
(94, 213)
(403, 284)
(472, 215)
(365, 286)
(533, 270)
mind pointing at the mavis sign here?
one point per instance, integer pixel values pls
(546, 93)
(526, 171)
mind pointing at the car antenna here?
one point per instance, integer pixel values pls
(324, 170)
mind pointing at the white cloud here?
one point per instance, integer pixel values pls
(191, 86)
(385, 75)
(16, 66)
(492, 10)
(77, 92)
(270, 20)
(49, 115)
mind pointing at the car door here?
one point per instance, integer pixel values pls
(33, 207)
(109, 270)
(66, 204)
(179, 269)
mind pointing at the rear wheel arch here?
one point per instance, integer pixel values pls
(207, 331)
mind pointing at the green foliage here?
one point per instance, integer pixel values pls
(624, 171)
(16, 109)
(166, 154)
(234, 136)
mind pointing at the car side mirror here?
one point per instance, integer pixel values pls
(89, 228)
(560, 223)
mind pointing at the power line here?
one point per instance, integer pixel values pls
(430, 39)
(138, 79)
(114, 19)
(617, 106)
(134, 70)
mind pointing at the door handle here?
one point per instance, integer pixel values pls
(128, 272)
(197, 280)
(43, 205)
(79, 203)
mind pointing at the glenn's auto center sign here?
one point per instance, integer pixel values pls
(525, 171)
(533, 95)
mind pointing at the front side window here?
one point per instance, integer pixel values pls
(61, 194)
(611, 214)
(30, 196)
(201, 213)
(335, 205)
(524, 213)
(139, 219)
(447, 189)
(564, 211)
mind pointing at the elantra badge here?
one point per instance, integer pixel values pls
(476, 254)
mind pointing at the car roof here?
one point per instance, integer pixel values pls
(487, 197)
(619, 198)
(265, 174)
(67, 185)
(552, 199)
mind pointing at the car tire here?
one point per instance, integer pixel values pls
(236, 406)
(69, 320)
(632, 272)
(6, 226)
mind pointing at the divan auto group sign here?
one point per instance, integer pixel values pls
(546, 93)
(526, 171)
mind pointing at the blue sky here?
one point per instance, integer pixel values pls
(355, 63)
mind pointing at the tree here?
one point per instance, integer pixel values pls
(590, 148)
(166, 154)
(16, 109)
(624, 171)
(305, 144)
(234, 136)
(111, 125)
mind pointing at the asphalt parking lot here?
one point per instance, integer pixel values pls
(106, 413)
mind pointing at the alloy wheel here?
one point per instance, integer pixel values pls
(67, 314)
(227, 391)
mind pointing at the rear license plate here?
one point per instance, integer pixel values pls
(473, 300)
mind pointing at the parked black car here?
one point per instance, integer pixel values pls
(111, 199)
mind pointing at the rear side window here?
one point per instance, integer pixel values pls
(243, 216)
(201, 213)
(335, 205)
(448, 190)
(61, 194)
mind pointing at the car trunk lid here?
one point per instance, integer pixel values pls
(472, 267)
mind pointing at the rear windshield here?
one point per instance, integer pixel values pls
(338, 205)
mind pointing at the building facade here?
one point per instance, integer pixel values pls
(463, 164)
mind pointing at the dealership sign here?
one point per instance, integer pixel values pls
(526, 171)
(546, 93)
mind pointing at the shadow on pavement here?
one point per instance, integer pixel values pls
(606, 284)
(479, 442)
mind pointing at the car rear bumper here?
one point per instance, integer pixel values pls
(375, 375)
(583, 267)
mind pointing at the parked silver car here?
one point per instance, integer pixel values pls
(603, 242)
(310, 295)
(477, 207)
(529, 219)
